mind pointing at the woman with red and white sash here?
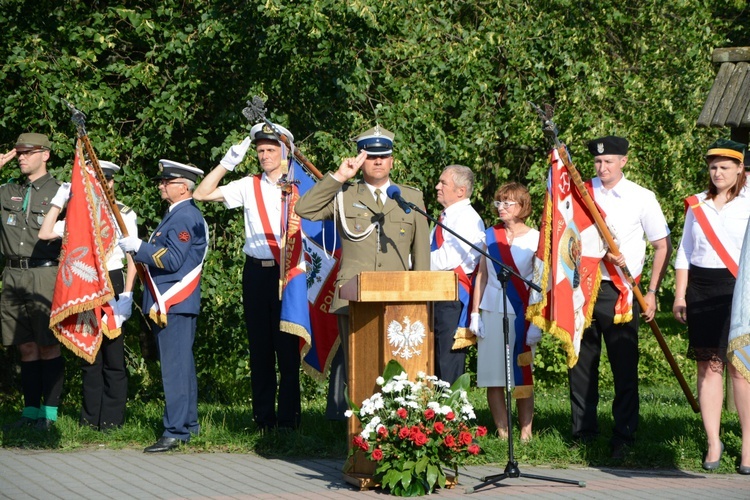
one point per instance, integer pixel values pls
(706, 271)
(513, 243)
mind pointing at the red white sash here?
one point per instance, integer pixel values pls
(273, 243)
(175, 294)
(716, 239)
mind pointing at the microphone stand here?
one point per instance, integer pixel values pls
(511, 468)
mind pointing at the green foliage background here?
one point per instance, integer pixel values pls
(168, 79)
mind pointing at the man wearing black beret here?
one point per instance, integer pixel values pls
(631, 212)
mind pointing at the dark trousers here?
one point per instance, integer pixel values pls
(622, 351)
(105, 381)
(449, 363)
(336, 403)
(268, 345)
(175, 343)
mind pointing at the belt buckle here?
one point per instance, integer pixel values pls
(23, 264)
(267, 263)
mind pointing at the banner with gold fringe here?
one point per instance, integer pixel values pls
(566, 265)
(83, 289)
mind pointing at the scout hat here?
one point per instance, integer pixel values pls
(609, 145)
(376, 141)
(169, 169)
(263, 131)
(728, 148)
(31, 142)
(109, 169)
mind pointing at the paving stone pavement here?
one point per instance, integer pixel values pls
(125, 474)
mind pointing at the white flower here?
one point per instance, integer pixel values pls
(348, 413)
(412, 404)
(380, 381)
(421, 374)
(445, 409)
(434, 406)
(468, 411)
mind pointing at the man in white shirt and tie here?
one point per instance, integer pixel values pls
(449, 253)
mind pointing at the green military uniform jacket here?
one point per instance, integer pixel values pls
(22, 209)
(402, 235)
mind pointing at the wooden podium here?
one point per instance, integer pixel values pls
(390, 317)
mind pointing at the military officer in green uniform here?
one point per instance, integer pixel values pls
(29, 280)
(376, 235)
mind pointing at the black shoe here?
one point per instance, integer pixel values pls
(44, 424)
(714, 465)
(744, 470)
(20, 424)
(163, 444)
(619, 450)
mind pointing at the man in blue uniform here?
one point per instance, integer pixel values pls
(174, 258)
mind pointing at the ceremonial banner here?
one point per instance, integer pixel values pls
(309, 266)
(738, 351)
(566, 265)
(83, 288)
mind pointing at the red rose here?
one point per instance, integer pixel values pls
(420, 439)
(377, 454)
(382, 431)
(449, 441)
(429, 414)
(439, 427)
(481, 431)
(360, 442)
(464, 438)
(450, 416)
(473, 449)
(403, 433)
(402, 413)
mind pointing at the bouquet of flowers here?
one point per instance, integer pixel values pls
(412, 429)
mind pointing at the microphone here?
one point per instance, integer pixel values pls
(394, 193)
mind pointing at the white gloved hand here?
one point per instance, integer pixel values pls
(123, 308)
(476, 326)
(62, 196)
(129, 244)
(235, 155)
(533, 336)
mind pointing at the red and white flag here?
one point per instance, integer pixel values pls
(83, 288)
(566, 265)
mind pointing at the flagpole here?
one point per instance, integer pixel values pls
(550, 130)
(79, 119)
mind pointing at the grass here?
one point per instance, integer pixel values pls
(670, 435)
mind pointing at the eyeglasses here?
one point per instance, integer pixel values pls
(165, 182)
(504, 204)
(29, 152)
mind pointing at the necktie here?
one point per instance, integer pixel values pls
(378, 200)
(439, 232)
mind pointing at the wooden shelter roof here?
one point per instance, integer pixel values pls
(728, 102)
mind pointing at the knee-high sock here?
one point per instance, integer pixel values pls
(53, 374)
(31, 383)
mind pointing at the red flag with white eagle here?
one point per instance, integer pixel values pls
(566, 265)
(83, 289)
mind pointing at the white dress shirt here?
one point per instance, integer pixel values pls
(463, 219)
(631, 211)
(241, 193)
(731, 221)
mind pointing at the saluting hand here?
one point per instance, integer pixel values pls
(349, 167)
(7, 157)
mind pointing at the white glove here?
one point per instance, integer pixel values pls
(235, 155)
(62, 196)
(476, 326)
(123, 308)
(129, 244)
(533, 336)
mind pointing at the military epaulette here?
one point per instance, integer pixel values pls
(124, 209)
(410, 187)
